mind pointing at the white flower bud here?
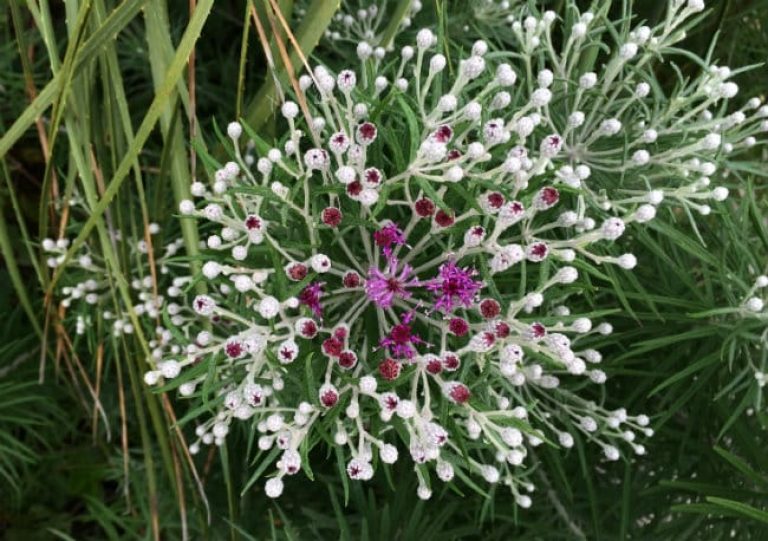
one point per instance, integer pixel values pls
(479, 48)
(541, 97)
(320, 263)
(454, 174)
(645, 213)
(170, 369)
(444, 471)
(505, 75)
(605, 329)
(211, 269)
(579, 30)
(523, 501)
(576, 119)
(565, 439)
(473, 110)
(274, 487)
(567, 275)
(187, 389)
(597, 376)
(425, 39)
(368, 197)
(655, 197)
(437, 63)
(152, 377)
(490, 473)
(612, 228)
(388, 454)
(588, 80)
(364, 50)
(269, 307)
(642, 90)
(239, 253)
(234, 130)
(729, 90)
(197, 189)
(186, 207)
(641, 157)
(627, 261)
(582, 325)
(290, 110)
(545, 78)
(368, 385)
(406, 409)
(711, 141)
(610, 126)
(628, 51)
(650, 136)
(380, 83)
(610, 452)
(754, 304)
(213, 212)
(720, 193)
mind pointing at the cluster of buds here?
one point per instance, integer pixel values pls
(363, 23)
(397, 276)
(755, 307)
(494, 13)
(88, 285)
(352, 284)
(617, 123)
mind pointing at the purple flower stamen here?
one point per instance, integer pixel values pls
(310, 297)
(387, 236)
(382, 287)
(454, 286)
(401, 338)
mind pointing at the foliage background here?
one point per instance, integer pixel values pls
(69, 472)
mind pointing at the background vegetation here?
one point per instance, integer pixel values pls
(97, 103)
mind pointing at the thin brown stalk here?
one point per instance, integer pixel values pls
(209, 463)
(180, 493)
(44, 342)
(267, 51)
(27, 59)
(185, 448)
(84, 376)
(301, 98)
(65, 362)
(290, 35)
(99, 367)
(124, 436)
(63, 219)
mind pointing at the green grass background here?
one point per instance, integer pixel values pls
(105, 83)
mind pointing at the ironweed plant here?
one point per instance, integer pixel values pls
(506, 259)
(396, 274)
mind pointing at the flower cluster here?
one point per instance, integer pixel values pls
(399, 277)
(362, 23)
(88, 285)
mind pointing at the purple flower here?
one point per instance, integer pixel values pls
(310, 297)
(401, 338)
(454, 286)
(382, 287)
(387, 236)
